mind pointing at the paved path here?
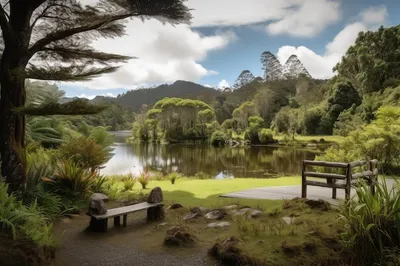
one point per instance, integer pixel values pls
(290, 192)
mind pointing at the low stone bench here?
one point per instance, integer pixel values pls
(99, 221)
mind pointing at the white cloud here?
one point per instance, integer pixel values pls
(307, 19)
(91, 97)
(374, 15)
(223, 84)
(292, 17)
(320, 66)
(165, 53)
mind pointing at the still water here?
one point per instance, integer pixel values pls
(192, 159)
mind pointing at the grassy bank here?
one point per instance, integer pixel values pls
(308, 139)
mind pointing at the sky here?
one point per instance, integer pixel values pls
(226, 37)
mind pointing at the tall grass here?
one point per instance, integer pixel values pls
(372, 224)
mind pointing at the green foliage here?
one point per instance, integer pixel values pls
(372, 60)
(379, 140)
(266, 136)
(85, 152)
(218, 138)
(372, 223)
(21, 222)
(144, 178)
(72, 181)
(255, 125)
(128, 182)
(173, 177)
(287, 121)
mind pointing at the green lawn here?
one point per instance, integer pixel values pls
(335, 139)
(191, 192)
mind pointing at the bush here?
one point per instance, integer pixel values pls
(266, 136)
(173, 177)
(129, 182)
(20, 221)
(72, 181)
(85, 152)
(144, 178)
(372, 223)
(218, 138)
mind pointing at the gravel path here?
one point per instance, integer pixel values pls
(120, 246)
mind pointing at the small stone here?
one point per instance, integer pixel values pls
(230, 207)
(255, 214)
(97, 205)
(261, 242)
(203, 209)
(175, 206)
(190, 215)
(240, 212)
(218, 225)
(161, 225)
(288, 220)
(179, 236)
(318, 204)
(215, 215)
(101, 196)
(155, 196)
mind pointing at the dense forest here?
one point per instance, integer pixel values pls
(359, 100)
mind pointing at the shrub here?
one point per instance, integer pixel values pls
(173, 177)
(85, 152)
(266, 136)
(72, 181)
(21, 222)
(372, 224)
(144, 178)
(129, 182)
(218, 138)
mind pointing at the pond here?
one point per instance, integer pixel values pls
(192, 159)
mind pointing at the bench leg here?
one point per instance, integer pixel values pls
(117, 221)
(333, 189)
(98, 225)
(155, 213)
(125, 220)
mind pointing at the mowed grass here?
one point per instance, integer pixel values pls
(192, 192)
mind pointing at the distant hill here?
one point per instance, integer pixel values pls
(134, 99)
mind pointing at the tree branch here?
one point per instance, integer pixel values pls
(5, 25)
(68, 73)
(56, 36)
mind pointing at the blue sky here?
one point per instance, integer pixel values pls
(228, 36)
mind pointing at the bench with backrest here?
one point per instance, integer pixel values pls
(344, 179)
(154, 207)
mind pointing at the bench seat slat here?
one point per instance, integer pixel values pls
(324, 175)
(320, 184)
(125, 210)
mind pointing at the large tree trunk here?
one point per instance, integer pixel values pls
(14, 59)
(12, 134)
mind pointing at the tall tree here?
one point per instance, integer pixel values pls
(51, 40)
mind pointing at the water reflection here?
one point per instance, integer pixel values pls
(225, 162)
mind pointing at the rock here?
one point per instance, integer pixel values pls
(66, 220)
(310, 247)
(175, 206)
(228, 252)
(215, 215)
(312, 145)
(155, 196)
(161, 225)
(199, 210)
(230, 207)
(318, 204)
(255, 214)
(218, 225)
(101, 196)
(179, 236)
(288, 220)
(191, 215)
(97, 205)
(261, 242)
(290, 249)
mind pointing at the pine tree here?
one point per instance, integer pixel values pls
(51, 40)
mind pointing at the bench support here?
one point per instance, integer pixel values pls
(155, 213)
(117, 221)
(125, 220)
(98, 225)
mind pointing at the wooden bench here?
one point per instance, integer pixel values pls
(100, 222)
(335, 181)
